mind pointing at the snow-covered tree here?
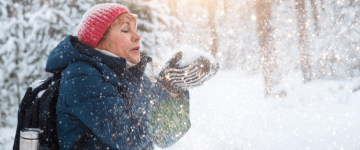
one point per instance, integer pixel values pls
(337, 46)
(13, 57)
(31, 30)
(333, 49)
(4, 100)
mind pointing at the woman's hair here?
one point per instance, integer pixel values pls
(119, 20)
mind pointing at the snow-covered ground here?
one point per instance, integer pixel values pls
(230, 112)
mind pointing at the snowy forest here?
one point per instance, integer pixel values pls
(290, 69)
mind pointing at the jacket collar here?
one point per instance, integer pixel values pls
(138, 70)
(117, 64)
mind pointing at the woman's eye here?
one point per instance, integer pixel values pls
(125, 31)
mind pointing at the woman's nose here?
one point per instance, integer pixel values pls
(135, 37)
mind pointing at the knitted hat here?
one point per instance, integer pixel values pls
(97, 20)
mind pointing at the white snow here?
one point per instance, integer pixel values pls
(189, 54)
(230, 112)
(36, 83)
(40, 94)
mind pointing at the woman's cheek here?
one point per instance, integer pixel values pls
(122, 42)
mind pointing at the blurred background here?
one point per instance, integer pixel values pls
(271, 40)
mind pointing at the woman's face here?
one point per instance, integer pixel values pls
(123, 41)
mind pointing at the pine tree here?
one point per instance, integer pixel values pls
(31, 30)
(12, 75)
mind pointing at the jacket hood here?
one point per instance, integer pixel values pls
(71, 49)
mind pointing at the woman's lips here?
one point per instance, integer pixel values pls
(136, 49)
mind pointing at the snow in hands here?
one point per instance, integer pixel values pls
(188, 69)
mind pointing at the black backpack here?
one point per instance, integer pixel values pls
(40, 112)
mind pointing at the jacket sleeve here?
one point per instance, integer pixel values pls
(102, 109)
(170, 119)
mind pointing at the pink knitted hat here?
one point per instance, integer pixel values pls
(96, 21)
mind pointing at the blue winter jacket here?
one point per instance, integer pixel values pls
(98, 92)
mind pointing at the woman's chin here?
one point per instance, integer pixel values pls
(134, 60)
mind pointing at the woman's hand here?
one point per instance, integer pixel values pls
(176, 77)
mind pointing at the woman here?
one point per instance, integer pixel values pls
(103, 86)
